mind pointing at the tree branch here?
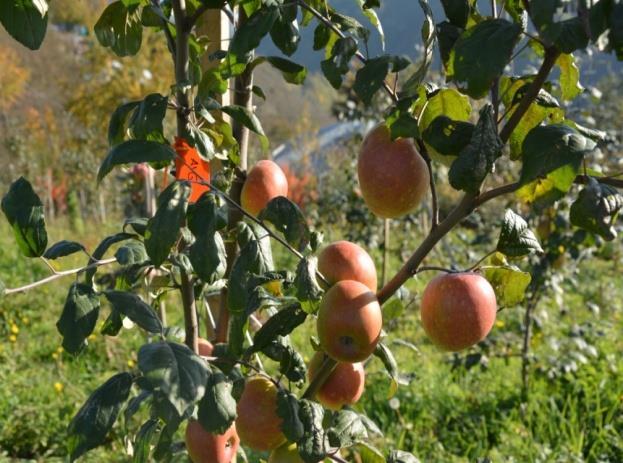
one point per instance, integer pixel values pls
(182, 35)
(433, 188)
(57, 275)
(551, 55)
(192, 19)
(462, 210)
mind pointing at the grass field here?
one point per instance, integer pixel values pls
(574, 410)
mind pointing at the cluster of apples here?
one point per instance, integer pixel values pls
(457, 309)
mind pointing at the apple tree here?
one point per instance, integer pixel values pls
(210, 239)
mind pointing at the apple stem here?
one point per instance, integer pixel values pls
(433, 189)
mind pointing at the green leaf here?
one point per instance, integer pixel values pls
(63, 248)
(254, 258)
(457, 11)
(116, 126)
(288, 410)
(113, 324)
(399, 456)
(175, 371)
(446, 102)
(280, 324)
(238, 326)
(569, 77)
(447, 35)
(247, 118)
(369, 453)
(101, 249)
(370, 78)
(312, 446)
(336, 65)
(135, 151)
(373, 17)
(79, 317)
(291, 363)
(534, 116)
(383, 353)
(476, 160)
(596, 209)
(292, 73)
(146, 121)
(515, 8)
(349, 428)
(448, 137)
(88, 429)
(120, 29)
(322, 36)
(508, 282)
(25, 20)
(393, 309)
(568, 35)
(2, 289)
(143, 440)
(135, 309)
(249, 35)
(288, 220)
(285, 31)
(308, 291)
(217, 408)
(212, 84)
(552, 156)
(207, 254)
(402, 125)
(516, 239)
(200, 140)
(132, 253)
(481, 54)
(164, 227)
(24, 211)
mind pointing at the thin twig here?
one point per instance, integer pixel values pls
(551, 55)
(47, 263)
(433, 188)
(58, 275)
(480, 261)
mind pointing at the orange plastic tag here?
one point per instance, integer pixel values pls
(191, 167)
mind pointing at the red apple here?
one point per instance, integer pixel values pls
(458, 310)
(343, 387)
(393, 177)
(344, 260)
(349, 321)
(258, 424)
(265, 181)
(205, 447)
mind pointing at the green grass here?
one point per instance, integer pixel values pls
(574, 410)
